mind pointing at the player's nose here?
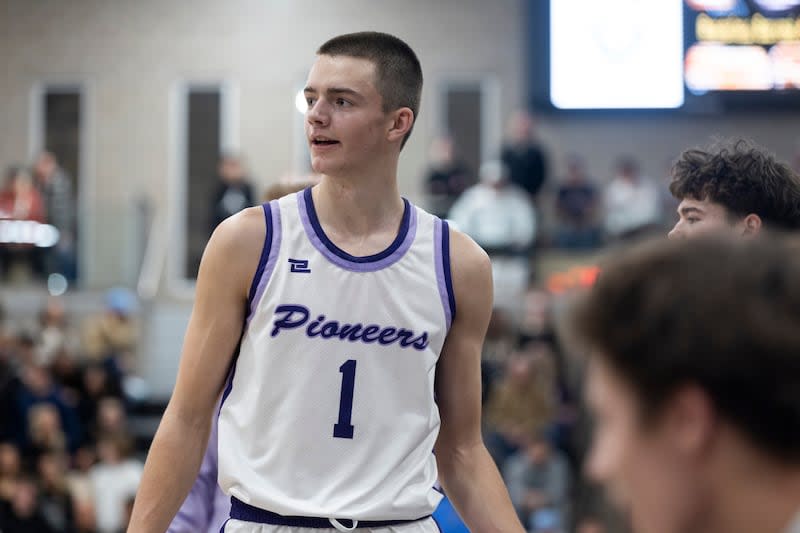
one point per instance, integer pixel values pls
(316, 113)
(675, 232)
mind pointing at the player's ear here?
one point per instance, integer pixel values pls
(402, 120)
(691, 421)
(752, 224)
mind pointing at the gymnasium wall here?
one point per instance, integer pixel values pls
(131, 55)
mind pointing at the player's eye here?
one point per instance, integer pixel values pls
(309, 101)
(692, 220)
(341, 102)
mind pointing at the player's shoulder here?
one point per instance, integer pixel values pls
(468, 262)
(238, 239)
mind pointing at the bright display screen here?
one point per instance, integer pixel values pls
(616, 54)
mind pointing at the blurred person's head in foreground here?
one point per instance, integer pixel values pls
(694, 373)
(736, 188)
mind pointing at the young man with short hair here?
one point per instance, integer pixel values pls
(694, 380)
(349, 323)
(734, 188)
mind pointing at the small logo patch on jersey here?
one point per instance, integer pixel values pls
(300, 266)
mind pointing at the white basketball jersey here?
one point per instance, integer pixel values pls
(330, 409)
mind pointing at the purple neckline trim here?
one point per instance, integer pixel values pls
(338, 257)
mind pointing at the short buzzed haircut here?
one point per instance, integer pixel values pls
(397, 70)
(723, 315)
(741, 177)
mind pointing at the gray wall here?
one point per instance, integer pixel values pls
(131, 55)
(656, 140)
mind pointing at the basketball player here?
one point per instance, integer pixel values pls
(734, 189)
(349, 324)
(694, 380)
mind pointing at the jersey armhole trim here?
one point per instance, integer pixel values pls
(441, 237)
(269, 256)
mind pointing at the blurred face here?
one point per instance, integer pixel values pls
(45, 165)
(345, 125)
(110, 415)
(51, 469)
(231, 170)
(643, 468)
(24, 499)
(703, 217)
(538, 452)
(519, 369)
(9, 459)
(54, 313)
(521, 127)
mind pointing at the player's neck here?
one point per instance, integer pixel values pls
(358, 206)
(765, 501)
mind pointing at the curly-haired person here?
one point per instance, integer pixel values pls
(735, 187)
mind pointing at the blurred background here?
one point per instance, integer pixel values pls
(131, 128)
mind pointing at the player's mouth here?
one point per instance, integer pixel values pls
(321, 141)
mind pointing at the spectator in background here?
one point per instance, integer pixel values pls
(446, 178)
(522, 403)
(577, 202)
(22, 514)
(524, 155)
(112, 336)
(81, 489)
(10, 470)
(97, 385)
(55, 500)
(19, 198)
(234, 191)
(54, 334)
(538, 479)
(112, 419)
(631, 202)
(9, 388)
(20, 201)
(60, 205)
(114, 481)
(53, 424)
(502, 220)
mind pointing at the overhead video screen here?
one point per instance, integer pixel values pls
(743, 45)
(616, 54)
(696, 56)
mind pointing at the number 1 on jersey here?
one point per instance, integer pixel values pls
(343, 429)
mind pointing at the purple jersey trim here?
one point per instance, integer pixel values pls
(440, 278)
(269, 256)
(266, 264)
(340, 258)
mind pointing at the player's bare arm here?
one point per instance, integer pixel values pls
(466, 470)
(226, 271)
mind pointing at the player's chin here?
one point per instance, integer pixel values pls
(321, 164)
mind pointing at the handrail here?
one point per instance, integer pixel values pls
(155, 255)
